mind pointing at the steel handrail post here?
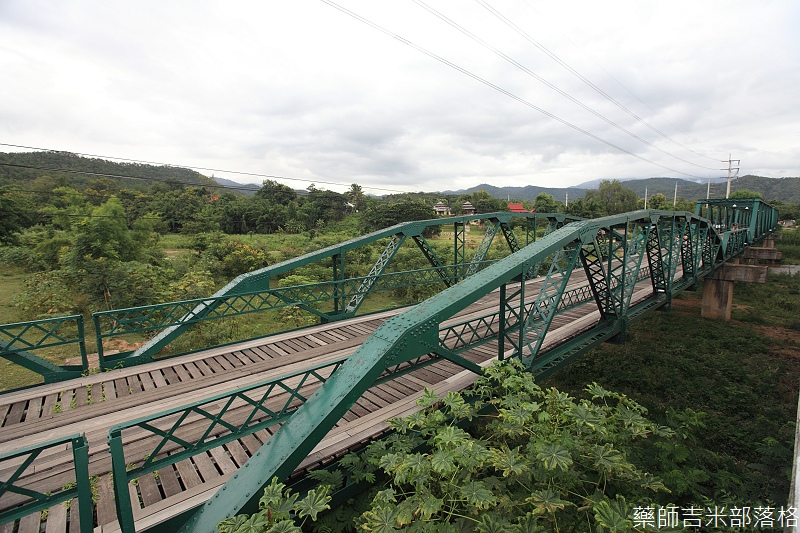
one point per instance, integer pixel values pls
(80, 456)
(119, 469)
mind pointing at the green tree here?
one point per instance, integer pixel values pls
(14, 216)
(745, 193)
(658, 201)
(105, 234)
(276, 192)
(545, 203)
(613, 198)
(356, 196)
(384, 215)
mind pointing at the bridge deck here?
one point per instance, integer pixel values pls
(94, 403)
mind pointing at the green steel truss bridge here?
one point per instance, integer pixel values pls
(180, 442)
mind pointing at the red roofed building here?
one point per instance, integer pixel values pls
(517, 208)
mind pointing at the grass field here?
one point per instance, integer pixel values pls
(743, 374)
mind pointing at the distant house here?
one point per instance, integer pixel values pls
(441, 209)
(468, 209)
(517, 208)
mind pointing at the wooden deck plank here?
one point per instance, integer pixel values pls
(205, 367)
(106, 512)
(238, 453)
(81, 397)
(168, 480)
(148, 488)
(3, 412)
(223, 461)
(121, 387)
(14, 415)
(147, 381)
(205, 467)
(158, 378)
(251, 444)
(74, 517)
(34, 410)
(170, 375)
(189, 476)
(222, 362)
(57, 519)
(30, 523)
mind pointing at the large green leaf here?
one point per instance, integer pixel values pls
(314, 503)
(476, 494)
(443, 462)
(284, 526)
(612, 515)
(554, 456)
(380, 520)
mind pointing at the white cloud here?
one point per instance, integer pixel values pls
(302, 90)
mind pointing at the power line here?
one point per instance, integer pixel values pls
(558, 60)
(556, 88)
(497, 87)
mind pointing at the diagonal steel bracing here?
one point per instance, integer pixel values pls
(375, 272)
(483, 247)
(547, 301)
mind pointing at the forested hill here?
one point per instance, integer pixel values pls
(786, 190)
(528, 192)
(23, 168)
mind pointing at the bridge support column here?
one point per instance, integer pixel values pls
(717, 299)
(718, 289)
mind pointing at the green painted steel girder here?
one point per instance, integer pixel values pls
(415, 336)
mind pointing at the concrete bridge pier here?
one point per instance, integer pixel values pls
(718, 289)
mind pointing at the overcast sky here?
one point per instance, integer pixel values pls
(303, 90)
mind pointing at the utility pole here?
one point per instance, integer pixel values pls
(731, 168)
(566, 199)
(675, 197)
(645, 197)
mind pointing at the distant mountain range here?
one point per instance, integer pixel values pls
(24, 168)
(528, 192)
(783, 189)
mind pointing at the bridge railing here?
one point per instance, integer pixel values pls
(342, 296)
(18, 498)
(156, 317)
(20, 339)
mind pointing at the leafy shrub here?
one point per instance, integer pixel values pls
(544, 462)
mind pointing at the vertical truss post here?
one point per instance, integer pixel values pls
(654, 259)
(530, 230)
(483, 247)
(80, 457)
(459, 250)
(511, 317)
(634, 254)
(511, 239)
(592, 259)
(122, 498)
(545, 306)
(375, 272)
(433, 259)
(338, 283)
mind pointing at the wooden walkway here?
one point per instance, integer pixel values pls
(95, 403)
